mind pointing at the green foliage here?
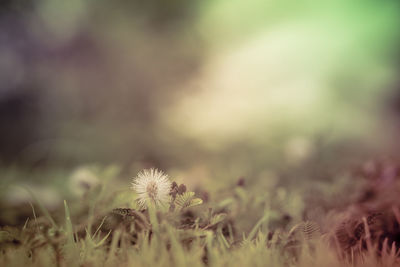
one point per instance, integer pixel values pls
(236, 228)
(187, 200)
(305, 231)
(217, 218)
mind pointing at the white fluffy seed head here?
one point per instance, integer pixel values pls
(152, 186)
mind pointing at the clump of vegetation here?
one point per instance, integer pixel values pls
(161, 223)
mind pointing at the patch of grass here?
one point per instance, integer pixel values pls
(235, 227)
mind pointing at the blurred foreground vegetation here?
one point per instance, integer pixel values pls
(351, 221)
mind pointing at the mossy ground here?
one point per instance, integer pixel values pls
(238, 224)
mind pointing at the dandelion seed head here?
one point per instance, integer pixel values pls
(152, 186)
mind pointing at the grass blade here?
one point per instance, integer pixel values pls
(42, 207)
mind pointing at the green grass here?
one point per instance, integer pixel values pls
(236, 226)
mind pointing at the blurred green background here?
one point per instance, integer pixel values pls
(207, 90)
